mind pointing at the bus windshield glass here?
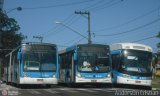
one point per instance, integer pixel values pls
(136, 61)
(94, 61)
(39, 61)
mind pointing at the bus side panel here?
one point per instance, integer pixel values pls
(62, 76)
(12, 73)
(5, 76)
(114, 77)
(68, 76)
(65, 70)
(73, 71)
(15, 78)
(9, 69)
(20, 73)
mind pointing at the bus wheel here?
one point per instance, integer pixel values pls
(149, 88)
(48, 86)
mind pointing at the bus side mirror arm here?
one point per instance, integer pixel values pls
(75, 56)
(19, 55)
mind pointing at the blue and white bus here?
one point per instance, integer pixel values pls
(131, 64)
(32, 63)
(85, 63)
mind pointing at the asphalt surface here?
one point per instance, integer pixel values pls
(8, 90)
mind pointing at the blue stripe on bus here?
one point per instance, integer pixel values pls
(94, 75)
(115, 73)
(116, 51)
(39, 74)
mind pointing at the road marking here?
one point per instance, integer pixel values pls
(87, 90)
(51, 91)
(72, 91)
(65, 89)
(34, 92)
(98, 89)
(68, 90)
(105, 90)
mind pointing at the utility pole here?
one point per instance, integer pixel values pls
(1, 5)
(88, 17)
(39, 37)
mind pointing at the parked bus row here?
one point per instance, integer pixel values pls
(41, 63)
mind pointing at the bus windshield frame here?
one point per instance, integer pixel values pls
(136, 61)
(39, 60)
(94, 59)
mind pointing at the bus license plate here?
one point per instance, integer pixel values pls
(39, 80)
(138, 81)
(93, 81)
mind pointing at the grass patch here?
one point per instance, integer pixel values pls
(156, 82)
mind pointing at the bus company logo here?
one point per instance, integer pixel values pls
(9, 92)
(4, 92)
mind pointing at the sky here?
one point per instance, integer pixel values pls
(111, 21)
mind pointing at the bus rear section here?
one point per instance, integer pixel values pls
(85, 64)
(131, 64)
(34, 63)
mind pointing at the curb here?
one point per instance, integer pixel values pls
(155, 88)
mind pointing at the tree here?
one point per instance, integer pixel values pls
(9, 36)
(158, 36)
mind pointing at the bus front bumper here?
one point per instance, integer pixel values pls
(86, 80)
(122, 80)
(38, 80)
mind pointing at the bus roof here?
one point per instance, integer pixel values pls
(75, 46)
(135, 46)
(29, 43)
(37, 43)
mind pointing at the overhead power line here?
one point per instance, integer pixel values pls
(79, 41)
(57, 29)
(59, 5)
(98, 4)
(130, 21)
(69, 20)
(137, 28)
(144, 39)
(39, 37)
(112, 3)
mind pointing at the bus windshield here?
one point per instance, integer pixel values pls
(93, 61)
(136, 61)
(39, 61)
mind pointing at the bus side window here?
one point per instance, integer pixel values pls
(63, 62)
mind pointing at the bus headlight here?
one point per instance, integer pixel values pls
(79, 75)
(26, 75)
(109, 75)
(54, 76)
(126, 76)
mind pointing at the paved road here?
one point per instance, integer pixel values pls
(65, 91)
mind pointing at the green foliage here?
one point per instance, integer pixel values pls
(158, 36)
(8, 24)
(9, 36)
